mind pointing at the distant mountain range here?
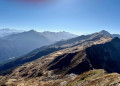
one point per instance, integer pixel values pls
(73, 62)
(7, 31)
(17, 44)
(106, 33)
(64, 44)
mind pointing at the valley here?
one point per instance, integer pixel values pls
(82, 61)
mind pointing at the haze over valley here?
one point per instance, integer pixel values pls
(14, 45)
(59, 42)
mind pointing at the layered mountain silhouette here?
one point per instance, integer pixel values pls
(73, 62)
(106, 33)
(37, 53)
(7, 31)
(70, 43)
(15, 45)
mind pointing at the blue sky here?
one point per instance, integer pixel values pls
(75, 16)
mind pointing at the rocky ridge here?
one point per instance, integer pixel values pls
(77, 63)
(43, 68)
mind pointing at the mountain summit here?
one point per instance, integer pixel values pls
(105, 33)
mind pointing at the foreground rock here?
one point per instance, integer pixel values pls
(90, 78)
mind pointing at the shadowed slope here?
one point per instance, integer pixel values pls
(102, 56)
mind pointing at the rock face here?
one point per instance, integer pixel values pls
(105, 56)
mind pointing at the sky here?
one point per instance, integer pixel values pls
(75, 16)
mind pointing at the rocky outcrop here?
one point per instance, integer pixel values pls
(96, 78)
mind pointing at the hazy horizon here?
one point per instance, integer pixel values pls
(74, 16)
(57, 31)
